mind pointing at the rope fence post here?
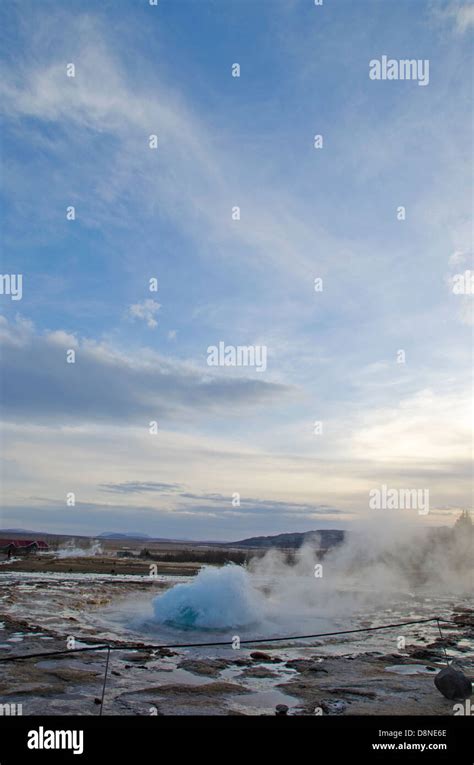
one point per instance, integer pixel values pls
(105, 680)
(443, 645)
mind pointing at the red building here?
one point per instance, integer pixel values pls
(21, 546)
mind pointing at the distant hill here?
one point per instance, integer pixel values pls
(117, 535)
(327, 538)
(21, 531)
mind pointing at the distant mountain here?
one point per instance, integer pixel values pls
(326, 537)
(21, 531)
(117, 535)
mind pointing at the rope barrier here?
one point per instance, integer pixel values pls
(134, 646)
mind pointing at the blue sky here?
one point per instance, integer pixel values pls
(141, 213)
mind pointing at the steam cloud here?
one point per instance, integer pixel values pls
(380, 562)
(71, 551)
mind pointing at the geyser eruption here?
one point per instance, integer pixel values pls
(384, 563)
(216, 599)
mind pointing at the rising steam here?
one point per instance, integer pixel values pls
(380, 562)
(70, 550)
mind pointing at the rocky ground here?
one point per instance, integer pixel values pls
(244, 681)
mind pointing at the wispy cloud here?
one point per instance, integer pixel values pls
(138, 487)
(146, 311)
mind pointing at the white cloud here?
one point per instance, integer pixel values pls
(464, 16)
(428, 428)
(459, 14)
(145, 310)
(63, 339)
(458, 257)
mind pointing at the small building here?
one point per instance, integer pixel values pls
(22, 546)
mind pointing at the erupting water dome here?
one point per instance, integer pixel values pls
(216, 599)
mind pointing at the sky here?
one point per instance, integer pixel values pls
(235, 213)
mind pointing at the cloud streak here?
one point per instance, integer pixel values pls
(106, 384)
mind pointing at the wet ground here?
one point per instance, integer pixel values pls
(369, 673)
